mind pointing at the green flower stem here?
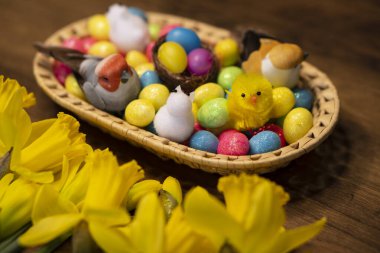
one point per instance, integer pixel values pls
(51, 246)
(11, 241)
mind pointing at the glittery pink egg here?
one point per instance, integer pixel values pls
(199, 61)
(74, 43)
(149, 50)
(87, 42)
(61, 71)
(232, 142)
(167, 28)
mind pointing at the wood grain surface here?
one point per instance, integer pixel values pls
(339, 180)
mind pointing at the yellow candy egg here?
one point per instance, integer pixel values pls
(72, 87)
(98, 27)
(194, 110)
(135, 58)
(156, 93)
(207, 92)
(173, 57)
(139, 112)
(102, 49)
(142, 68)
(283, 101)
(297, 123)
(227, 51)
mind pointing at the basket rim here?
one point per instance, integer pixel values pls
(324, 117)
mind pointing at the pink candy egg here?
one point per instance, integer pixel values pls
(74, 43)
(61, 71)
(199, 61)
(149, 50)
(87, 42)
(197, 127)
(167, 28)
(232, 142)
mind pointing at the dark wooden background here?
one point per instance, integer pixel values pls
(339, 180)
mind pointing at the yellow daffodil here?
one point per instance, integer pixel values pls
(15, 204)
(251, 221)
(108, 186)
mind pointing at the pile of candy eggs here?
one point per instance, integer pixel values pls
(181, 52)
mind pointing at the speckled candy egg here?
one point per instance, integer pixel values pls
(214, 113)
(74, 43)
(263, 142)
(173, 57)
(87, 42)
(227, 51)
(139, 112)
(98, 27)
(233, 143)
(204, 140)
(283, 101)
(61, 71)
(187, 38)
(228, 75)
(297, 123)
(102, 49)
(72, 87)
(142, 68)
(149, 77)
(199, 61)
(304, 98)
(149, 50)
(167, 28)
(135, 58)
(207, 92)
(138, 12)
(156, 93)
(274, 128)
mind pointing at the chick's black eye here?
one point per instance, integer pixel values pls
(258, 93)
(243, 95)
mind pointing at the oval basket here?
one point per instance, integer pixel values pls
(325, 110)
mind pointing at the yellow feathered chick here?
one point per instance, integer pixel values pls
(250, 102)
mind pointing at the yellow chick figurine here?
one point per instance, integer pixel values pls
(250, 102)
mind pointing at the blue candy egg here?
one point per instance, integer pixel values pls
(204, 140)
(187, 38)
(149, 77)
(265, 141)
(150, 128)
(304, 98)
(138, 12)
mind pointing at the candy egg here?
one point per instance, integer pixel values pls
(61, 71)
(149, 50)
(283, 101)
(214, 113)
(199, 61)
(265, 141)
(74, 43)
(197, 127)
(157, 94)
(142, 68)
(304, 98)
(135, 58)
(138, 12)
(102, 49)
(154, 31)
(274, 128)
(233, 143)
(98, 27)
(139, 112)
(227, 51)
(297, 123)
(228, 75)
(168, 28)
(173, 57)
(204, 140)
(207, 92)
(72, 87)
(149, 77)
(187, 38)
(151, 128)
(87, 42)
(194, 110)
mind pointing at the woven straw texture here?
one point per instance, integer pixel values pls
(325, 110)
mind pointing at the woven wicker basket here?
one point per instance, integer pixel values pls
(325, 110)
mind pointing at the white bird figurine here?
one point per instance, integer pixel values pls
(127, 30)
(175, 119)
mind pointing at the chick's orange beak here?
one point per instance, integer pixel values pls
(253, 99)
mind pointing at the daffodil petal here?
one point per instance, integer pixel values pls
(110, 239)
(172, 186)
(147, 228)
(44, 177)
(48, 229)
(292, 239)
(48, 202)
(139, 190)
(4, 183)
(107, 217)
(38, 128)
(209, 217)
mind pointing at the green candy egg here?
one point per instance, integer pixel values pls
(214, 113)
(296, 124)
(228, 75)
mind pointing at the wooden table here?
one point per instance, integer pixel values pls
(339, 180)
